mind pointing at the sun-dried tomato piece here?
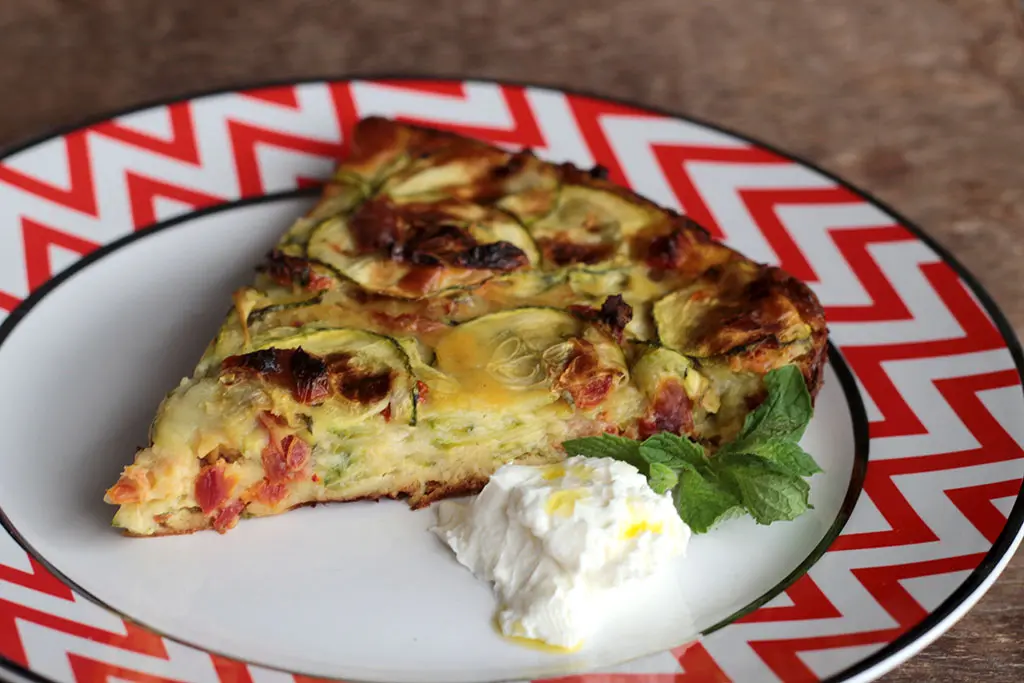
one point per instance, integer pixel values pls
(309, 373)
(501, 256)
(583, 379)
(420, 279)
(562, 252)
(319, 283)
(365, 388)
(670, 411)
(407, 322)
(212, 488)
(355, 383)
(228, 517)
(672, 250)
(612, 317)
(282, 459)
(296, 453)
(294, 270)
(262, 362)
(435, 244)
(304, 374)
(376, 226)
(131, 487)
(270, 494)
(274, 464)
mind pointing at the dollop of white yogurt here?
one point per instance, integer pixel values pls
(556, 540)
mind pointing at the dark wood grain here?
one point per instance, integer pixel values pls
(919, 101)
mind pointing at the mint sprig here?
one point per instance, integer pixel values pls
(761, 472)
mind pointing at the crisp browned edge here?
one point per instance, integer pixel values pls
(463, 487)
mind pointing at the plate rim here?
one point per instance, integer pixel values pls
(890, 655)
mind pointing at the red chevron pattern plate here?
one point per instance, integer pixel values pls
(935, 365)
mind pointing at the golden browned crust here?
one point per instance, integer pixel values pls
(417, 498)
(167, 531)
(753, 320)
(438, 490)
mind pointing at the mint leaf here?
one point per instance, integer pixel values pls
(769, 493)
(661, 477)
(674, 451)
(701, 502)
(786, 455)
(607, 446)
(784, 414)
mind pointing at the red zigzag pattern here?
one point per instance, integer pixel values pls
(809, 602)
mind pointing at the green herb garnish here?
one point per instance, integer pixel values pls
(760, 472)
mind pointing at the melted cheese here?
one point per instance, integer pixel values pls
(466, 360)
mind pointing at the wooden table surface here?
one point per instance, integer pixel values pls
(920, 102)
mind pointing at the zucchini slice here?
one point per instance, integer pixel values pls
(433, 179)
(524, 358)
(590, 225)
(262, 312)
(488, 226)
(311, 311)
(679, 317)
(659, 363)
(280, 305)
(369, 353)
(598, 283)
(528, 288)
(703, 321)
(506, 345)
(498, 358)
(420, 358)
(555, 288)
(332, 243)
(230, 339)
(454, 175)
(370, 179)
(339, 197)
(609, 353)
(531, 190)
(293, 242)
(233, 336)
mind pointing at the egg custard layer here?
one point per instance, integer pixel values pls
(449, 307)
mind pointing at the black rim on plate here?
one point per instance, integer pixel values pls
(996, 553)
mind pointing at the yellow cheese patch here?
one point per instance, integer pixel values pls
(563, 503)
(634, 529)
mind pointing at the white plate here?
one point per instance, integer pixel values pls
(363, 591)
